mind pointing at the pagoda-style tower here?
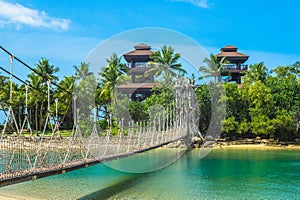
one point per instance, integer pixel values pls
(141, 85)
(235, 68)
(137, 60)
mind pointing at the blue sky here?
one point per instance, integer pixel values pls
(65, 32)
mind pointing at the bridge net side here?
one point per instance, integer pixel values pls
(26, 152)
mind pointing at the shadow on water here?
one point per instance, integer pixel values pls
(114, 189)
(131, 181)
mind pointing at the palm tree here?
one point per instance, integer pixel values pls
(112, 74)
(19, 101)
(65, 94)
(4, 90)
(296, 68)
(256, 72)
(67, 84)
(35, 96)
(104, 101)
(284, 71)
(213, 67)
(82, 71)
(165, 62)
(46, 70)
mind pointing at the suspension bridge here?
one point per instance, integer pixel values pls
(26, 156)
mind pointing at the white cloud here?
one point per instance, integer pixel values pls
(17, 14)
(198, 3)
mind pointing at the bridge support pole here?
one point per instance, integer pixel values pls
(190, 115)
(33, 178)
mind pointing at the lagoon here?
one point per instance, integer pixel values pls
(222, 174)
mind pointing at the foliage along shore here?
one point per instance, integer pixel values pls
(266, 105)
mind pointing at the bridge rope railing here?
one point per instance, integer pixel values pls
(26, 156)
(23, 155)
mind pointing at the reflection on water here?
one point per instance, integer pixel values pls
(116, 188)
(149, 161)
(223, 174)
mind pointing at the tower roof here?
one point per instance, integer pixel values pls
(140, 54)
(232, 55)
(229, 48)
(142, 46)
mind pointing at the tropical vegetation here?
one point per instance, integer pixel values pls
(266, 104)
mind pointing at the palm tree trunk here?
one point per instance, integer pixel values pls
(30, 115)
(219, 78)
(19, 117)
(41, 116)
(36, 118)
(64, 116)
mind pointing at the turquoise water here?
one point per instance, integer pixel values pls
(223, 174)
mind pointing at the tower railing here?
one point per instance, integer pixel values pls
(234, 67)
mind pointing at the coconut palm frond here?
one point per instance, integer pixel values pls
(165, 62)
(213, 67)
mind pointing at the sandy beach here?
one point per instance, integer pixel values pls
(5, 196)
(11, 197)
(256, 146)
